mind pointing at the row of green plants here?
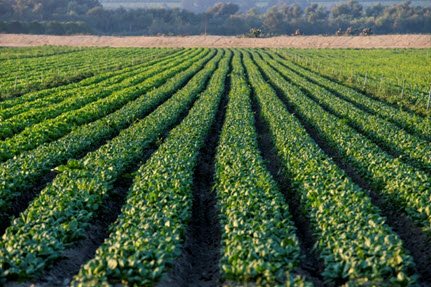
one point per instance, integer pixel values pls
(56, 95)
(385, 70)
(354, 243)
(413, 149)
(32, 74)
(150, 231)
(258, 236)
(61, 214)
(24, 171)
(410, 121)
(78, 59)
(24, 64)
(9, 53)
(71, 99)
(400, 185)
(23, 71)
(74, 87)
(117, 96)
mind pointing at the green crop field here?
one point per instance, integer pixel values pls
(214, 167)
(383, 72)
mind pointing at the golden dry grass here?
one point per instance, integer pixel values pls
(382, 41)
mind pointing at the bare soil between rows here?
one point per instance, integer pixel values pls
(379, 41)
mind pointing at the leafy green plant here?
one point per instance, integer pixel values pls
(44, 98)
(150, 235)
(47, 124)
(61, 213)
(63, 68)
(386, 70)
(258, 241)
(413, 148)
(355, 244)
(23, 171)
(400, 184)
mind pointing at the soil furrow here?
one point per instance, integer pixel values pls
(310, 266)
(61, 273)
(23, 200)
(198, 263)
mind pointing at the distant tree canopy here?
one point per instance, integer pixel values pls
(45, 27)
(45, 9)
(349, 10)
(88, 16)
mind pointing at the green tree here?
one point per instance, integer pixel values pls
(20, 9)
(316, 14)
(223, 9)
(273, 20)
(375, 11)
(350, 10)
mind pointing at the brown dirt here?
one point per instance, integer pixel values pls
(310, 266)
(381, 41)
(197, 264)
(21, 202)
(74, 257)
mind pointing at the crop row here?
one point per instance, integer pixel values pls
(385, 70)
(70, 101)
(62, 212)
(399, 183)
(41, 92)
(50, 129)
(413, 149)
(28, 73)
(23, 71)
(258, 237)
(56, 61)
(9, 53)
(25, 170)
(56, 95)
(46, 63)
(149, 233)
(407, 120)
(355, 244)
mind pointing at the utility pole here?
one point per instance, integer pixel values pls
(365, 82)
(206, 23)
(429, 99)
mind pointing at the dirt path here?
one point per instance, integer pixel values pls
(383, 41)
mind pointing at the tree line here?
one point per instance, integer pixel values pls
(89, 17)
